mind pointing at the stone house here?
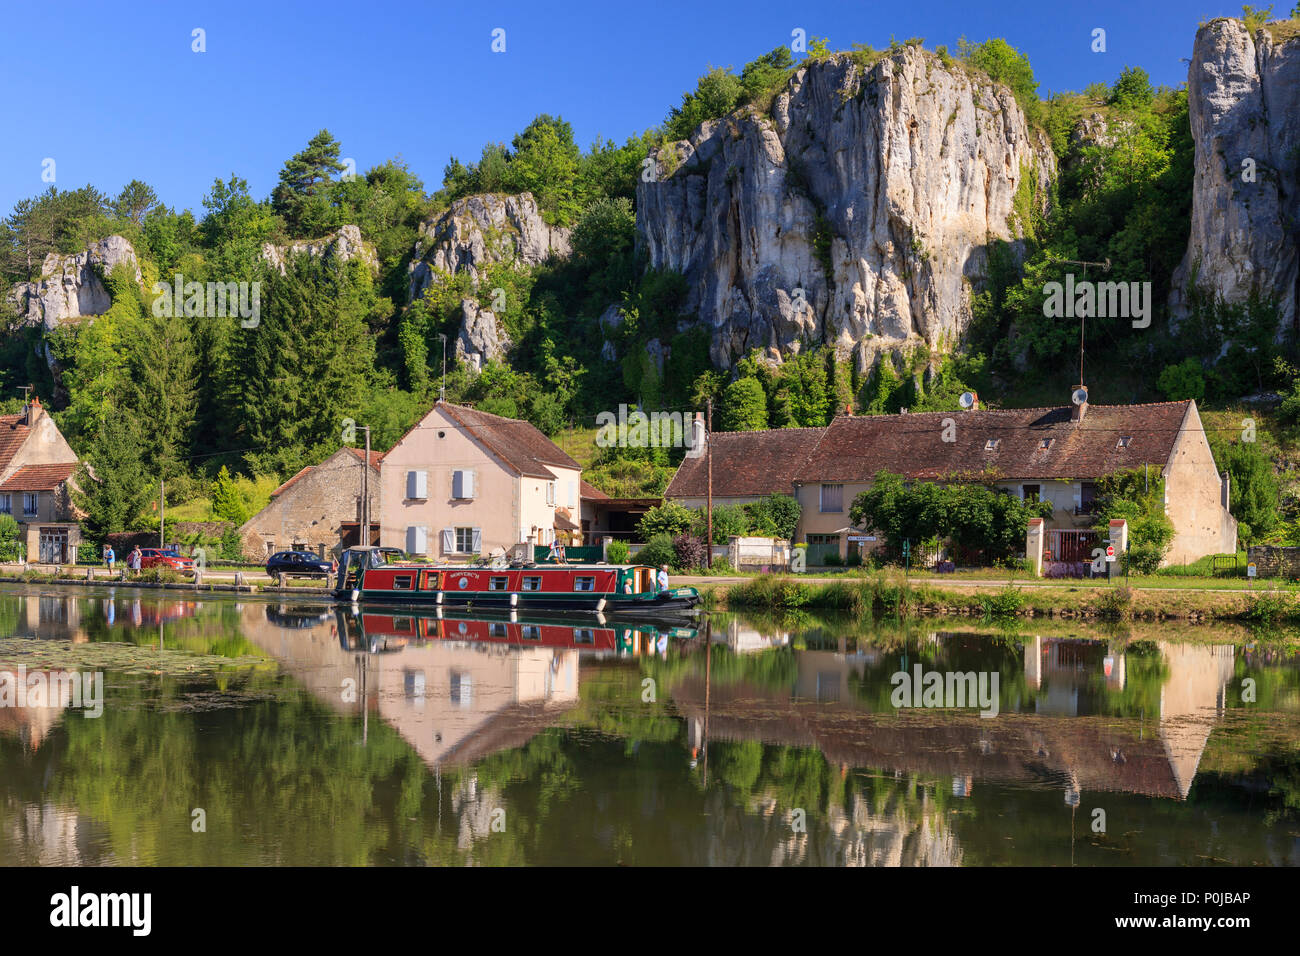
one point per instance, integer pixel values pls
(318, 509)
(463, 483)
(36, 466)
(1045, 454)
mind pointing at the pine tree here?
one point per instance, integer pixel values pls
(227, 505)
(163, 391)
(302, 194)
(115, 495)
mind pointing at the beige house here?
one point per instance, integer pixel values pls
(463, 483)
(1045, 454)
(36, 465)
(318, 509)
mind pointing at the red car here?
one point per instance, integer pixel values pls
(160, 558)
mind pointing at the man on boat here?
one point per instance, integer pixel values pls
(663, 578)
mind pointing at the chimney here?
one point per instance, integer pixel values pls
(1079, 408)
(1224, 489)
(848, 410)
(32, 412)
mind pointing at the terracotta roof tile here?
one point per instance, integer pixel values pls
(590, 491)
(517, 443)
(285, 487)
(12, 436)
(747, 463)
(39, 477)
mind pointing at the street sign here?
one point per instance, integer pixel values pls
(1110, 552)
(1250, 570)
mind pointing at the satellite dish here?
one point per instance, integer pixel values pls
(1080, 396)
(967, 400)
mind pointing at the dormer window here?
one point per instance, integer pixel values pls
(1123, 441)
(992, 444)
(1045, 444)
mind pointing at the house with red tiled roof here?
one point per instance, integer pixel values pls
(36, 466)
(463, 483)
(318, 509)
(1044, 454)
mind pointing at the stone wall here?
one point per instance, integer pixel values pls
(1271, 561)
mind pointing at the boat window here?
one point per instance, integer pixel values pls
(584, 584)
(496, 629)
(431, 580)
(402, 582)
(501, 583)
(584, 635)
(403, 624)
(532, 583)
(531, 632)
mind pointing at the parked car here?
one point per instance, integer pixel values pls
(302, 563)
(165, 558)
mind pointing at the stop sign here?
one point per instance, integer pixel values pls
(1110, 551)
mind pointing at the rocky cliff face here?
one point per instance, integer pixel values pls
(1244, 102)
(857, 215)
(345, 244)
(478, 231)
(70, 287)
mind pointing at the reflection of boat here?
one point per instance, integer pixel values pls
(297, 616)
(615, 589)
(391, 629)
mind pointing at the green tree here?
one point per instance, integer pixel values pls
(227, 503)
(162, 391)
(112, 487)
(545, 161)
(744, 406)
(302, 196)
(1137, 497)
(670, 519)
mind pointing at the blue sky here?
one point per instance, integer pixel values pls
(113, 91)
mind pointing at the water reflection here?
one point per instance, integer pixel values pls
(391, 737)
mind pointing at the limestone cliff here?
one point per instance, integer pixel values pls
(1244, 104)
(346, 244)
(71, 287)
(478, 231)
(857, 214)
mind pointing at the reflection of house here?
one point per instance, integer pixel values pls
(462, 483)
(36, 465)
(318, 509)
(1045, 454)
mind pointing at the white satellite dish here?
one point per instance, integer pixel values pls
(1080, 396)
(967, 399)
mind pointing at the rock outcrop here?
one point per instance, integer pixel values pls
(345, 244)
(857, 215)
(72, 287)
(1243, 94)
(480, 339)
(478, 231)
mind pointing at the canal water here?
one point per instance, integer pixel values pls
(241, 731)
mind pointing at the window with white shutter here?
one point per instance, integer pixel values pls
(448, 540)
(477, 541)
(417, 540)
(462, 484)
(573, 493)
(417, 484)
(550, 492)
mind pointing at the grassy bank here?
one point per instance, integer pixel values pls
(885, 594)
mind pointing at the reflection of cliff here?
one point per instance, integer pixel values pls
(454, 702)
(1156, 754)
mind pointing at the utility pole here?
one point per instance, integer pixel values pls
(442, 391)
(708, 438)
(162, 510)
(364, 537)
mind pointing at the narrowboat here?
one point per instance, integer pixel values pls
(611, 589)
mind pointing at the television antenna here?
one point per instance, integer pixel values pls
(1104, 267)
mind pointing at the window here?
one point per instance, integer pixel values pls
(550, 492)
(531, 632)
(501, 583)
(832, 498)
(1029, 492)
(468, 540)
(532, 584)
(1087, 497)
(584, 584)
(584, 635)
(462, 689)
(497, 629)
(992, 444)
(402, 582)
(404, 624)
(1046, 443)
(417, 540)
(1123, 441)
(31, 502)
(462, 484)
(6, 505)
(417, 484)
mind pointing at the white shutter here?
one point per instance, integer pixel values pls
(416, 484)
(573, 493)
(417, 540)
(448, 540)
(468, 487)
(477, 546)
